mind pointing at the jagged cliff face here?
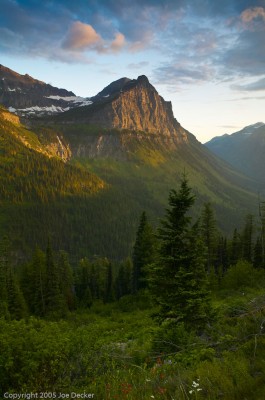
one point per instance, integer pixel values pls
(133, 105)
(138, 107)
(126, 114)
(129, 114)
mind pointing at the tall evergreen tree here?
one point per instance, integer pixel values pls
(222, 259)
(247, 238)
(209, 234)
(12, 302)
(178, 278)
(143, 253)
(83, 285)
(257, 254)
(16, 303)
(236, 248)
(109, 290)
(4, 265)
(66, 281)
(123, 279)
(39, 275)
(54, 301)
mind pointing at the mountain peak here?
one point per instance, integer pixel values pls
(111, 89)
(131, 104)
(143, 79)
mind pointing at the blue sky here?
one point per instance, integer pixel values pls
(206, 56)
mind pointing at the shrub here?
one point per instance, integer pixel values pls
(242, 275)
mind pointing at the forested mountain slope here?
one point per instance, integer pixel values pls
(85, 175)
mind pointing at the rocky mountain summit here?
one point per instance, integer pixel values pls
(133, 105)
(126, 104)
(26, 96)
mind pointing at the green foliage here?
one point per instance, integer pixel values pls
(178, 279)
(247, 238)
(123, 282)
(209, 234)
(242, 275)
(12, 302)
(143, 253)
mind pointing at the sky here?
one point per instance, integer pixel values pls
(205, 56)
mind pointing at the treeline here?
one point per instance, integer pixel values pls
(48, 286)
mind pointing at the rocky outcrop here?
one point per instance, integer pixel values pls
(59, 148)
(133, 105)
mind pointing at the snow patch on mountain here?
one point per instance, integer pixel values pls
(75, 99)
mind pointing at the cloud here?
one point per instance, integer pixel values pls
(81, 36)
(247, 98)
(10, 40)
(118, 43)
(138, 65)
(250, 14)
(229, 126)
(181, 73)
(251, 87)
(188, 41)
(246, 57)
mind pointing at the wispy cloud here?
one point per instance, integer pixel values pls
(138, 65)
(251, 87)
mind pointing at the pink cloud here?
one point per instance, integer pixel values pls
(118, 42)
(81, 36)
(252, 13)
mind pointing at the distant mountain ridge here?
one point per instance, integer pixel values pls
(27, 96)
(244, 150)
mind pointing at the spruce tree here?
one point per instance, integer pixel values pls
(66, 281)
(236, 248)
(54, 302)
(16, 303)
(109, 290)
(178, 278)
(12, 302)
(209, 234)
(247, 238)
(257, 254)
(222, 259)
(37, 285)
(4, 265)
(143, 253)
(123, 279)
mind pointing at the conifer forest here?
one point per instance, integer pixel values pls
(181, 317)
